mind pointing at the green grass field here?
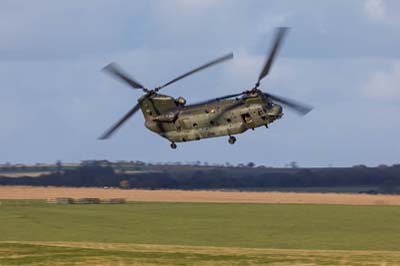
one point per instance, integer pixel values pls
(37, 233)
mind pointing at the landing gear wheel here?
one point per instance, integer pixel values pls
(232, 140)
(173, 145)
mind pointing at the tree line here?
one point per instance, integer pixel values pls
(385, 179)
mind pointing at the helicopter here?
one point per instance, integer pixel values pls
(228, 115)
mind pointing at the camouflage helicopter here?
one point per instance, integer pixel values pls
(223, 116)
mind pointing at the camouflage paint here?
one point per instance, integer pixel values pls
(178, 123)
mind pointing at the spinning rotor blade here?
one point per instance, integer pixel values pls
(108, 133)
(280, 34)
(296, 106)
(218, 99)
(117, 72)
(216, 61)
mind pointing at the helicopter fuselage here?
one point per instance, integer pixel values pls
(178, 123)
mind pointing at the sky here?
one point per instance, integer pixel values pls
(342, 57)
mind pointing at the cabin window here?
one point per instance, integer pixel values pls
(247, 118)
(262, 114)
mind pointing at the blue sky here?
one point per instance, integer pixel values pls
(342, 57)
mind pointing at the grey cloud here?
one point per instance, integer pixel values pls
(47, 29)
(384, 84)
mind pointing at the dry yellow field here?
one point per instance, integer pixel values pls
(25, 192)
(30, 174)
(72, 253)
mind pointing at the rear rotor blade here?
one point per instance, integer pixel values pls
(216, 61)
(280, 34)
(109, 132)
(302, 109)
(117, 72)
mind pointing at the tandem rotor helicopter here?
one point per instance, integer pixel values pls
(223, 116)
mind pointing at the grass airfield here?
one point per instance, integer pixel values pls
(33, 232)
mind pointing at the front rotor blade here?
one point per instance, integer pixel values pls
(303, 109)
(280, 34)
(117, 72)
(218, 99)
(216, 61)
(108, 133)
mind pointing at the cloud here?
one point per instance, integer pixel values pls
(385, 85)
(47, 30)
(375, 9)
(384, 12)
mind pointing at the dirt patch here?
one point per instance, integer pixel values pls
(24, 192)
